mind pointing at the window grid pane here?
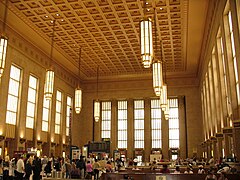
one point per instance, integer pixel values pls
(106, 119)
(45, 116)
(173, 123)
(13, 95)
(69, 105)
(225, 78)
(156, 123)
(234, 59)
(139, 123)
(31, 104)
(122, 124)
(58, 112)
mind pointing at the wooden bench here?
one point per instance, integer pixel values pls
(154, 176)
(157, 170)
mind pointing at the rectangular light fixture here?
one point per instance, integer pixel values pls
(146, 41)
(96, 110)
(49, 82)
(3, 51)
(157, 78)
(163, 98)
(78, 100)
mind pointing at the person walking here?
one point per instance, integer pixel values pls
(20, 169)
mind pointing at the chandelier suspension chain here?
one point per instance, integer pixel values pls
(5, 16)
(97, 79)
(52, 43)
(155, 24)
(79, 62)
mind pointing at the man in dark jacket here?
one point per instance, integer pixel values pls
(81, 165)
(28, 168)
(37, 168)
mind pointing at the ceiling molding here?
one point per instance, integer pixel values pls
(108, 32)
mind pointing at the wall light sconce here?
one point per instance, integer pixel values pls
(39, 142)
(22, 140)
(2, 137)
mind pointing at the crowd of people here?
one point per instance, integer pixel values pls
(30, 167)
(209, 167)
(33, 167)
(21, 168)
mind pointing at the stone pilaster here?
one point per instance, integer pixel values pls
(130, 143)
(114, 127)
(219, 137)
(182, 127)
(214, 147)
(147, 130)
(165, 137)
(227, 133)
(236, 137)
(209, 148)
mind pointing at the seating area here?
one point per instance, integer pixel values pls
(194, 169)
(141, 175)
(145, 173)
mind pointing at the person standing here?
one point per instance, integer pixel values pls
(20, 169)
(48, 169)
(135, 162)
(89, 170)
(68, 168)
(37, 168)
(6, 167)
(12, 165)
(96, 168)
(28, 168)
(81, 165)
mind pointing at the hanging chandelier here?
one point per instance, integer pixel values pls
(163, 98)
(3, 50)
(157, 78)
(49, 83)
(97, 103)
(157, 66)
(78, 91)
(164, 95)
(96, 110)
(3, 43)
(146, 39)
(49, 79)
(167, 111)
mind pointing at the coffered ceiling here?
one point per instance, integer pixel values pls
(108, 33)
